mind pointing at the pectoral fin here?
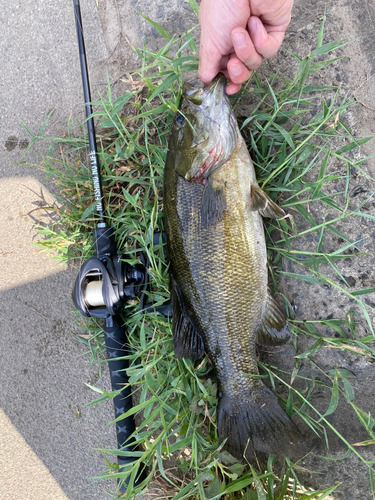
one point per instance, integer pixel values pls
(262, 202)
(187, 342)
(273, 329)
(214, 204)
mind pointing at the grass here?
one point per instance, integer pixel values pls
(296, 138)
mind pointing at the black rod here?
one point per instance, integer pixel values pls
(90, 122)
(106, 251)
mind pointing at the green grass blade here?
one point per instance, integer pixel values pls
(157, 26)
(194, 6)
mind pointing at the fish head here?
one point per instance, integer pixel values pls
(204, 131)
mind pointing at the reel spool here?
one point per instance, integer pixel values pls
(106, 282)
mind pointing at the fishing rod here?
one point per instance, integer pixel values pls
(104, 284)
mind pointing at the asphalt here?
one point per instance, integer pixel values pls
(47, 436)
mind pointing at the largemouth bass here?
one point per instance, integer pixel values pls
(218, 268)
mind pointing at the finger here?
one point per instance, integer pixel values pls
(244, 48)
(266, 38)
(237, 71)
(210, 62)
(232, 88)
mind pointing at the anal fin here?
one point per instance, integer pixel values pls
(273, 329)
(262, 202)
(187, 342)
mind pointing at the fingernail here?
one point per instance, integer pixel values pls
(239, 40)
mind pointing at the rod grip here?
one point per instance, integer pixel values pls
(116, 348)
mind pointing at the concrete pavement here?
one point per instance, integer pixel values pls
(46, 452)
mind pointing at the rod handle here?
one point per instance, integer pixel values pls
(115, 341)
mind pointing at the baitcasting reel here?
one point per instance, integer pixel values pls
(106, 282)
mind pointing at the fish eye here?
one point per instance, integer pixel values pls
(180, 120)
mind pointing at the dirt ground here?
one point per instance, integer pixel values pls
(353, 20)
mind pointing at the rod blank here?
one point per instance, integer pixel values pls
(90, 122)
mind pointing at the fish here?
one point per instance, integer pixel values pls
(213, 208)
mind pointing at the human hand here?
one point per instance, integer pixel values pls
(237, 34)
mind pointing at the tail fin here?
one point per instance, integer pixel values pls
(256, 422)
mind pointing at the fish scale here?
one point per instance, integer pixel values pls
(227, 251)
(229, 305)
(218, 272)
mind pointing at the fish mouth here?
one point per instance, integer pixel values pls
(223, 136)
(215, 91)
(216, 98)
(217, 84)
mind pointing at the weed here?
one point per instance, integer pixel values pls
(295, 152)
